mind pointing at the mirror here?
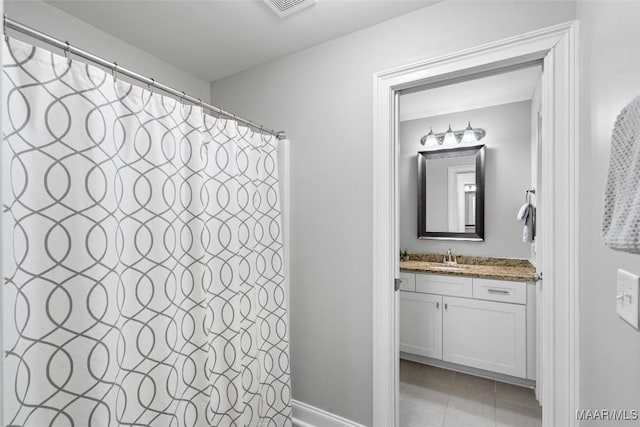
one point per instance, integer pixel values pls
(451, 194)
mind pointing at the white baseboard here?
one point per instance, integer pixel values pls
(309, 416)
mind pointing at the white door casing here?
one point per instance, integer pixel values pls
(557, 46)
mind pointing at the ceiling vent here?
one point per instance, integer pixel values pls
(287, 7)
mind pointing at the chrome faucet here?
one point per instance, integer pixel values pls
(450, 259)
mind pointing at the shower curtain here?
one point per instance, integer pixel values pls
(143, 256)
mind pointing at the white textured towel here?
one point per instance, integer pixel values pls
(525, 214)
(621, 221)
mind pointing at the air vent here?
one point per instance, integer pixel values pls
(287, 7)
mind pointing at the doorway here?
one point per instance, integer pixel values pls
(475, 362)
(559, 364)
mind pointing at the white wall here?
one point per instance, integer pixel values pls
(610, 79)
(507, 177)
(323, 98)
(58, 24)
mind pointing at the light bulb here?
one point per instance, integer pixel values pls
(469, 134)
(431, 138)
(450, 137)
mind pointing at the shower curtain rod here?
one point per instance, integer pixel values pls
(115, 68)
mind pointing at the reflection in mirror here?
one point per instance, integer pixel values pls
(448, 181)
(451, 194)
(469, 208)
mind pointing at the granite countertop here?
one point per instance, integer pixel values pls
(482, 267)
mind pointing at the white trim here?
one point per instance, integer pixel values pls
(560, 356)
(305, 415)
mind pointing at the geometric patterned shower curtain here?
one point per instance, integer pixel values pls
(143, 257)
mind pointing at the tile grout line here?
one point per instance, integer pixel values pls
(521, 405)
(446, 407)
(495, 403)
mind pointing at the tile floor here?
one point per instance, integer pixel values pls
(431, 396)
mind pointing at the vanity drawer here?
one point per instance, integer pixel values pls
(500, 290)
(407, 282)
(456, 286)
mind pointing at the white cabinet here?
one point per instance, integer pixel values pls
(532, 336)
(455, 286)
(421, 324)
(407, 282)
(500, 290)
(481, 323)
(485, 334)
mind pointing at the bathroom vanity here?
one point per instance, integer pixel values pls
(479, 318)
(470, 314)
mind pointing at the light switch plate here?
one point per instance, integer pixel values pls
(628, 289)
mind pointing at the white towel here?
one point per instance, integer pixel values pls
(525, 214)
(621, 220)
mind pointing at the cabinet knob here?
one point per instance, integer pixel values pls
(437, 306)
(445, 306)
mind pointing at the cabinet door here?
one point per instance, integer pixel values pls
(421, 324)
(485, 335)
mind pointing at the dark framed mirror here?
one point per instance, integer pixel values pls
(451, 194)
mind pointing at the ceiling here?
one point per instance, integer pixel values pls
(216, 38)
(498, 89)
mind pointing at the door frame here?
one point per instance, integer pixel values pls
(558, 213)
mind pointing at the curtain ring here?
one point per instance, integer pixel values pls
(4, 28)
(204, 115)
(151, 85)
(114, 71)
(182, 98)
(225, 121)
(263, 137)
(67, 53)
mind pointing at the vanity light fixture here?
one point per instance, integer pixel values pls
(453, 137)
